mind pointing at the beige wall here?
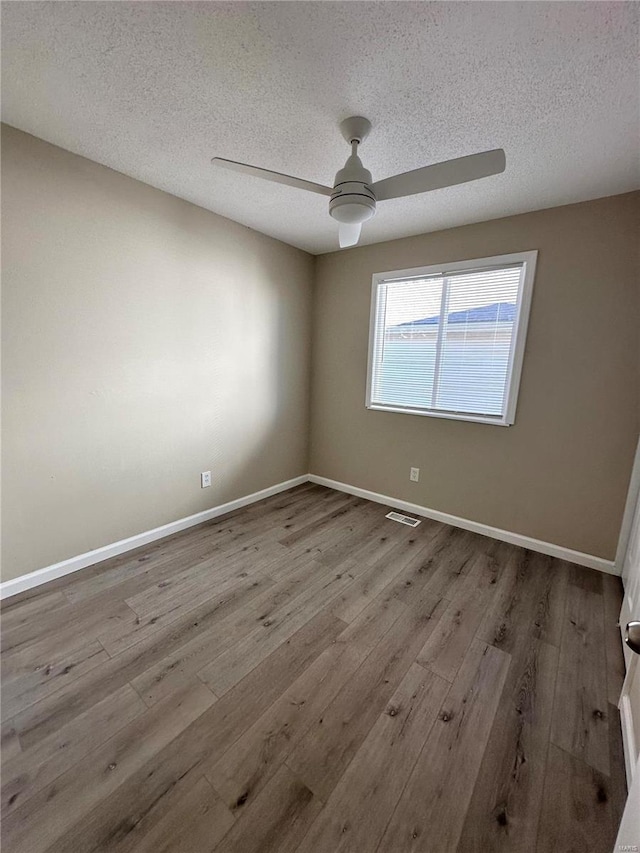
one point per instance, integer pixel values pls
(144, 340)
(561, 473)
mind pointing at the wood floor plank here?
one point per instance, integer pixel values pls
(295, 504)
(444, 651)
(233, 664)
(613, 592)
(441, 567)
(36, 592)
(39, 654)
(331, 517)
(332, 741)
(50, 714)
(580, 720)
(375, 577)
(195, 820)
(276, 821)
(203, 578)
(374, 546)
(617, 776)
(447, 646)
(132, 629)
(586, 579)
(577, 814)
(249, 763)
(367, 629)
(152, 785)
(362, 802)
(186, 661)
(430, 814)
(521, 604)
(327, 540)
(317, 505)
(505, 806)
(486, 568)
(112, 586)
(241, 773)
(30, 771)
(551, 602)
(23, 613)
(62, 624)
(44, 817)
(41, 680)
(143, 566)
(9, 742)
(370, 526)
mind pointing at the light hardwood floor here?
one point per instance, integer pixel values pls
(306, 675)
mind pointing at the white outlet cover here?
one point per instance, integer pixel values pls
(205, 479)
(414, 475)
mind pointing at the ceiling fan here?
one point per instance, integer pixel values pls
(353, 196)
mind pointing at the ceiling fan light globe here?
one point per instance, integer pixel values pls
(352, 212)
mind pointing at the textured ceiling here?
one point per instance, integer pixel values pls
(155, 89)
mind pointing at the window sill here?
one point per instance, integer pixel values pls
(452, 416)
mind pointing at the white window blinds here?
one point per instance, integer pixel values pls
(446, 343)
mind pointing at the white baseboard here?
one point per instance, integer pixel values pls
(66, 567)
(74, 564)
(548, 548)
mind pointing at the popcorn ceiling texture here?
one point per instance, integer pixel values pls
(154, 90)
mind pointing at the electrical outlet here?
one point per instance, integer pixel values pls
(205, 479)
(414, 475)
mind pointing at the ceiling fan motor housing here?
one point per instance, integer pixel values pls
(353, 199)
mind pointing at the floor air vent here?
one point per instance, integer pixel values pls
(403, 519)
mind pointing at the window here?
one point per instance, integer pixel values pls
(448, 341)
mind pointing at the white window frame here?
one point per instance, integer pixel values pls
(528, 261)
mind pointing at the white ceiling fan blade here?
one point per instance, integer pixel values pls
(440, 175)
(268, 175)
(349, 234)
